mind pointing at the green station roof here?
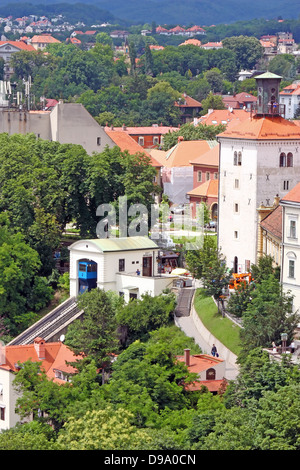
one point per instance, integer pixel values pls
(121, 244)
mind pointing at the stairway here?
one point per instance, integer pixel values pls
(184, 301)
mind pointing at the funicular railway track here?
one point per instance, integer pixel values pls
(50, 324)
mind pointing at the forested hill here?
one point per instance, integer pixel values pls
(203, 12)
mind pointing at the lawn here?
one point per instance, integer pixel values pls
(223, 329)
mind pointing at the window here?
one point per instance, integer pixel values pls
(2, 413)
(239, 159)
(199, 176)
(289, 160)
(98, 140)
(141, 141)
(215, 176)
(286, 185)
(121, 265)
(286, 160)
(236, 184)
(236, 207)
(236, 234)
(155, 140)
(292, 229)
(282, 160)
(207, 176)
(291, 268)
(235, 159)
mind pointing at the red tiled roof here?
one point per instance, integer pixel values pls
(209, 188)
(293, 89)
(189, 102)
(210, 158)
(273, 222)
(182, 153)
(20, 44)
(125, 142)
(222, 116)
(201, 362)
(146, 130)
(56, 356)
(43, 39)
(263, 128)
(293, 195)
(212, 385)
(191, 42)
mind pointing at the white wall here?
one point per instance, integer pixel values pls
(8, 399)
(260, 180)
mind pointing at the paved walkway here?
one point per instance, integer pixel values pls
(188, 326)
(199, 333)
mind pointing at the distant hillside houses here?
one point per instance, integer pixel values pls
(179, 30)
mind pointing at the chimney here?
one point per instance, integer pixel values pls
(187, 357)
(39, 346)
(276, 200)
(124, 127)
(180, 139)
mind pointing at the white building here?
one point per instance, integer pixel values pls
(259, 159)
(55, 359)
(290, 98)
(290, 266)
(113, 264)
(67, 123)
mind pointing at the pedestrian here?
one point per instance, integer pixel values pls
(213, 350)
(274, 347)
(138, 272)
(292, 346)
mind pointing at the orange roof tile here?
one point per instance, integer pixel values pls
(273, 222)
(146, 130)
(224, 116)
(56, 356)
(201, 362)
(126, 142)
(212, 385)
(191, 42)
(263, 128)
(44, 38)
(189, 102)
(293, 195)
(183, 153)
(207, 189)
(210, 158)
(20, 44)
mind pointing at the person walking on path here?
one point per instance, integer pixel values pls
(214, 350)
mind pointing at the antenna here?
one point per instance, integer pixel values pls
(62, 338)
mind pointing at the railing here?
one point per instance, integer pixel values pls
(275, 109)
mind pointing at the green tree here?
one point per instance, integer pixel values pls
(212, 102)
(22, 291)
(248, 50)
(268, 315)
(94, 336)
(106, 429)
(140, 316)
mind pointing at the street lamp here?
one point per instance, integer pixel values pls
(284, 340)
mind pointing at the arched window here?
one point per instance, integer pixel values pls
(282, 159)
(211, 374)
(235, 158)
(289, 159)
(239, 158)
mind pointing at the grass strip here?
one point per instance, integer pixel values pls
(227, 332)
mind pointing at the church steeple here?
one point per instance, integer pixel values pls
(268, 95)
